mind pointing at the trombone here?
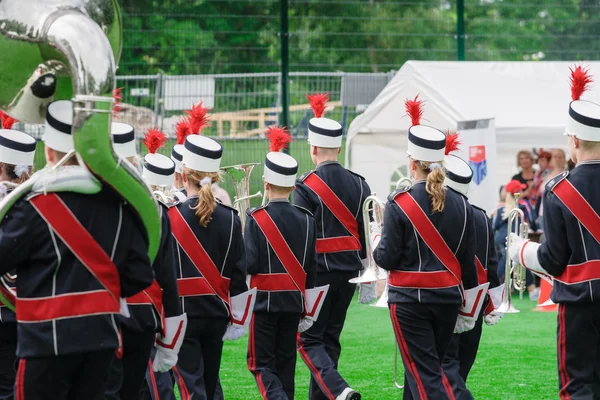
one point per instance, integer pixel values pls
(514, 272)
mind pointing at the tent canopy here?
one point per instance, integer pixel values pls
(529, 100)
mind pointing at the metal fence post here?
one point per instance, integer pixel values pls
(460, 29)
(285, 112)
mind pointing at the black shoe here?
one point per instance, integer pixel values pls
(353, 396)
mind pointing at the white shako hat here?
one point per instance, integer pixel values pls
(16, 147)
(426, 143)
(280, 169)
(323, 132)
(59, 123)
(584, 116)
(158, 169)
(202, 154)
(177, 156)
(123, 137)
(458, 174)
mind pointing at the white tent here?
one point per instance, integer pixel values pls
(528, 100)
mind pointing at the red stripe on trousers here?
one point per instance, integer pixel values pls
(20, 384)
(447, 386)
(562, 355)
(252, 362)
(153, 380)
(412, 368)
(315, 372)
(183, 392)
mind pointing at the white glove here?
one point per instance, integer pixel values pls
(514, 251)
(167, 346)
(493, 318)
(463, 324)
(234, 332)
(124, 309)
(375, 234)
(366, 293)
(305, 324)
(528, 258)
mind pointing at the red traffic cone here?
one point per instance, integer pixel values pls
(544, 302)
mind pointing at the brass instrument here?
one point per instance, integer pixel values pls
(514, 272)
(166, 198)
(240, 177)
(372, 272)
(404, 182)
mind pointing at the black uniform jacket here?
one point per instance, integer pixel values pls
(487, 259)
(222, 240)
(570, 252)
(352, 190)
(402, 249)
(298, 228)
(46, 267)
(144, 316)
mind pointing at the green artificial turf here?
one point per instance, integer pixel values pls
(516, 360)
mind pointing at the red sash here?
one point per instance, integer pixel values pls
(295, 279)
(481, 272)
(151, 296)
(432, 238)
(89, 253)
(212, 281)
(587, 216)
(341, 213)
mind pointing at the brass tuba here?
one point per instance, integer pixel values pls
(240, 177)
(514, 272)
(68, 49)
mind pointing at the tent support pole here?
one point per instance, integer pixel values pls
(460, 29)
(285, 112)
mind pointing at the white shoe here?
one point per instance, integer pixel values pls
(349, 394)
(534, 295)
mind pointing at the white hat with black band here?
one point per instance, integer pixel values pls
(426, 143)
(584, 120)
(202, 154)
(177, 156)
(123, 136)
(458, 174)
(325, 132)
(16, 147)
(280, 169)
(59, 123)
(158, 169)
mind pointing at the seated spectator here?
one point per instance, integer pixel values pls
(501, 230)
(525, 162)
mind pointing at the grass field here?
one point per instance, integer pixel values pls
(516, 361)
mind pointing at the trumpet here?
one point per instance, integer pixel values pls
(240, 177)
(164, 197)
(372, 271)
(514, 272)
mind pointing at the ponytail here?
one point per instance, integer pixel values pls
(206, 199)
(435, 184)
(16, 173)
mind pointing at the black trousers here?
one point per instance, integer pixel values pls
(459, 359)
(320, 346)
(8, 360)
(423, 332)
(68, 377)
(578, 351)
(197, 371)
(127, 374)
(272, 353)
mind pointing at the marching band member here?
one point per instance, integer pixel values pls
(462, 350)
(178, 186)
(334, 195)
(156, 308)
(281, 257)
(74, 266)
(17, 154)
(211, 270)
(123, 138)
(426, 246)
(571, 252)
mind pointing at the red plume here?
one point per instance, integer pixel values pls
(7, 121)
(154, 139)
(182, 129)
(118, 96)
(198, 118)
(452, 142)
(279, 138)
(414, 109)
(318, 103)
(580, 80)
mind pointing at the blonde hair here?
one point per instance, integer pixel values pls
(206, 199)
(10, 171)
(435, 183)
(281, 189)
(589, 145)
(524, 153)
